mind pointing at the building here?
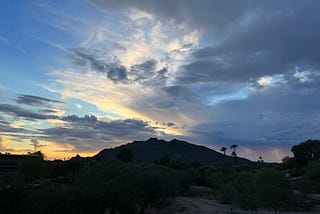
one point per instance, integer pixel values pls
(9, 164)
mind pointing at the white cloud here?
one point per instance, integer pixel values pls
(152, 38)
(4, 39)
(2, 87)
(134, 36)
(303, 76)
(79, 106)
(264, 81)
(238, 95)
(139, 37)
(108, 96)
(267, 81)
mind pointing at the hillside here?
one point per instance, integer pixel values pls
(153, 149)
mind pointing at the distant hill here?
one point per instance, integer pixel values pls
(153, 149)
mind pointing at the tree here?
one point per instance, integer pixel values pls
(312, 174)
(245, 196)
(223, 149)
(125, 155)
(40, 154)
(260, 159)
(155, 186)
(234, 146)
(273, 190)
(304, 186)
(286, 159)
(307, 151)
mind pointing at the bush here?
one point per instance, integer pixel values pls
(273, 190)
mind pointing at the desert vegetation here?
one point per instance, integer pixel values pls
(120, 185)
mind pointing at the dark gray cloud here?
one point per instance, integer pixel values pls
(96, 61)
(8, 128)
(118, 46)
(36, 100)
(75, 118)
(24, 113)
(259, 38)
(181, 92)
(196, 13)
(217, 84)
(2, 120)
(85, 57)
(84, 133)
(90, 133)
(143, 71)
(160, 77)
(17, 133)
(48, 111)
(170, 124)
(117, 73)
(271, 42)
(251, 38)
(264, 119)
(149, 65)
(170, 97)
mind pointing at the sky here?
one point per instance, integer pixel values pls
(78, 76)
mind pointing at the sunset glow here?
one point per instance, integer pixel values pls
(81, 76)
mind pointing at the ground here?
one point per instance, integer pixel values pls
(195, 205)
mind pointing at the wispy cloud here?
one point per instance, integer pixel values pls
(36, 100)
(90, 133)
(215, 73)
(27, 114)
(4, 39)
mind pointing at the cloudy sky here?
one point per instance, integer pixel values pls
(78, 76)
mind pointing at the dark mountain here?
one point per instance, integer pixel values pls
(153, 149)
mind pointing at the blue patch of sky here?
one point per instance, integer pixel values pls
(85, 109)
(208, 40)
(37, 33)
(24, 59)
(237, 95)
(214, 94)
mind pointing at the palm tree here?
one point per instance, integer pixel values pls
(223, 149)
(260, 159)
(234, 146)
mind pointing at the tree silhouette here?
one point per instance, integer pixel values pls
(306, 152)
(223, 149)
(234, 146)
(273, 190)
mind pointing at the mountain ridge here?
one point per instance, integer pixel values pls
(153, 149)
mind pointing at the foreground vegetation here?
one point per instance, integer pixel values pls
(87, 186)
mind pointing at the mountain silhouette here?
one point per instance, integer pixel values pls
(154, 149)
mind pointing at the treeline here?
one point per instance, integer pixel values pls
(305, 167)
(109, 186)
(120, 186)
(251, 186)
(79, 186)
